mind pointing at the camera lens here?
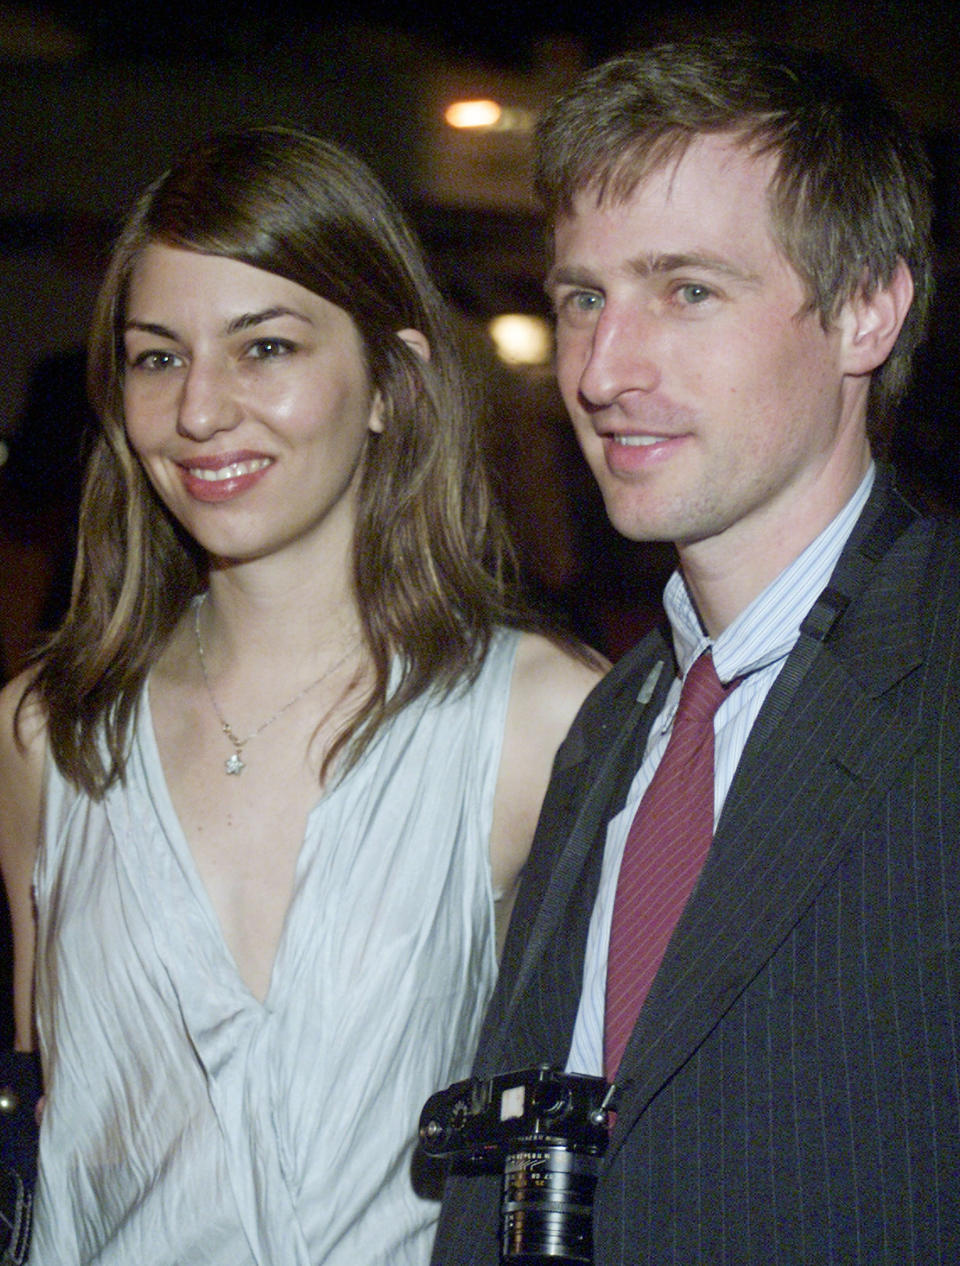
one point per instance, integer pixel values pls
(546, 1206)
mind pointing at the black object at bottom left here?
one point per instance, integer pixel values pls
(20, 1090)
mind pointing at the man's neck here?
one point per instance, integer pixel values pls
(727, 572)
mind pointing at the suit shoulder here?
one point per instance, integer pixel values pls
(613, 698)
(933, 545)
(628, 674)
(946, 539)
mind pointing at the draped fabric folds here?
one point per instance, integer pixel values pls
(189, 1122)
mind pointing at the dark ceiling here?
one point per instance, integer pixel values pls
(501, 32)
(494, 30)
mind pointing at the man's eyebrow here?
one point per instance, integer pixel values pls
(650, 266)
(569, 276)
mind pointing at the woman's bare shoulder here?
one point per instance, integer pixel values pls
(24, 726)
(551, 681)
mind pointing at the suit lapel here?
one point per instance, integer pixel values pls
(799, 796)
(598, 788)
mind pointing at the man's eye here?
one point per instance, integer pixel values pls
(587, 301)
(579, 303)
(694, 292)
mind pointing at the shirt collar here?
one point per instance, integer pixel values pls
(767, 629)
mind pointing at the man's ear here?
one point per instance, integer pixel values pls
(871, 321)
(417, 341)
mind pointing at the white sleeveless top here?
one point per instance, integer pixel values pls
(188, 1124)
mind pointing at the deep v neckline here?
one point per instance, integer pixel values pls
(173, 831)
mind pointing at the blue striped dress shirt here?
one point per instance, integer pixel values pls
(754, 647)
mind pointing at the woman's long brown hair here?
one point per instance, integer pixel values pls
(432, 564)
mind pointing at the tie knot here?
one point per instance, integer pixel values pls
(703, 691)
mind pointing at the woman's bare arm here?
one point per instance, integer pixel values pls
(548, 687)
(22, 745)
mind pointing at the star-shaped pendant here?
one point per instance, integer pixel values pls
(233, 764)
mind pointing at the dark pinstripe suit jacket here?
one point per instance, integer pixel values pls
(791, 1091)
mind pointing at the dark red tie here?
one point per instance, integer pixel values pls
(666, 847)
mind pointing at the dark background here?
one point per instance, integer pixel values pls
(501, 32)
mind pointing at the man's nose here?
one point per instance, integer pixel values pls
(621, 357)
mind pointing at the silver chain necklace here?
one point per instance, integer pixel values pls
(234, 764)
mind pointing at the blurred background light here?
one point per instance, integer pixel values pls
(483, 113)
(516, 119)
(522, 339)
(486, 115)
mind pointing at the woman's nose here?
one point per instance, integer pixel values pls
(208, 402)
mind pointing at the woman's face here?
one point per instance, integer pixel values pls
(247, 400)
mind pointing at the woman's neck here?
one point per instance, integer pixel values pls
(251, 615)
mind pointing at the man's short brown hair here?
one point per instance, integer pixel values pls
(850, 196)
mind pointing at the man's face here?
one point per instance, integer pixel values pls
(712, 407)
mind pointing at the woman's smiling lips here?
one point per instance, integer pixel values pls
(222, 477)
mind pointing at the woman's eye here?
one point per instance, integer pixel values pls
(153, 361)
(267, 348)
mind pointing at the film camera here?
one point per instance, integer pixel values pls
(546, 1130)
